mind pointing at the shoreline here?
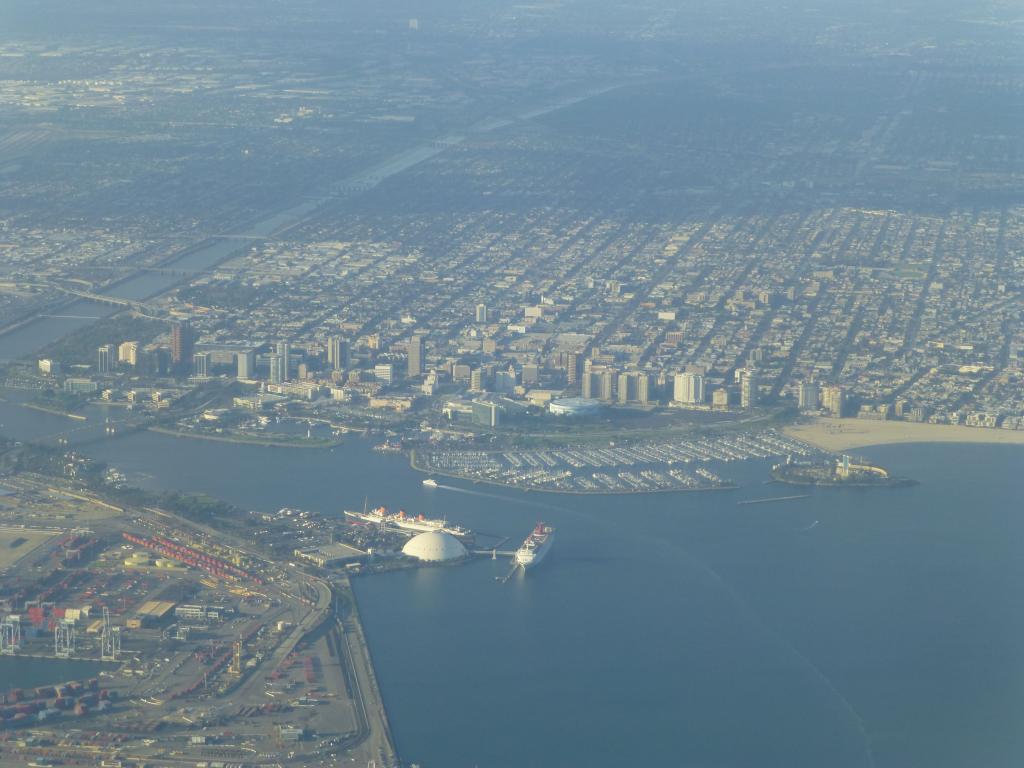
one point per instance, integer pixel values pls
(241, 441)
(380, 736)
(837, 435)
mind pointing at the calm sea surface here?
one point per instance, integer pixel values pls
(853, 628)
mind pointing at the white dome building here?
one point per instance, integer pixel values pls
(574, 406)
(434, 547)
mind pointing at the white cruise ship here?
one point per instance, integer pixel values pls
(402, 521)
(420, 523)
(536, 546)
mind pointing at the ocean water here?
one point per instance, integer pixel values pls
(873, 627)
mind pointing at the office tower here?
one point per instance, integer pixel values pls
(486, 414)
(384, 372)
(505, 381)
(201, 364)
(807, 396)
(337, 353)
(481, 313)
(748, 388)
(128, 352)
(417, 352)
(476, 380)
(182, 345)
(105, 358)
(245, 363)
(688, 388)
(283, 350)
(276, 369)
(643, 388)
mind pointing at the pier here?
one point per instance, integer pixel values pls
(494, 554)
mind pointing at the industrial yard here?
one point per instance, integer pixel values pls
(215, 654)
(16, 543)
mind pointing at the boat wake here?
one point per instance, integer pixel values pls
(499, 497)
(811, 527)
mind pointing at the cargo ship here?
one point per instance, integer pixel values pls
(536, 546)
(402, 521)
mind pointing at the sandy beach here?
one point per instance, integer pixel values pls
(844, 434)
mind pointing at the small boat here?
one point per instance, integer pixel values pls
(430, 482)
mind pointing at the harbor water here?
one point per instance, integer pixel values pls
(853, 627)
(22, 672)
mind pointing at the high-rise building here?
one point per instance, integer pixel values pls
(505, 380)
(476, 380)
(531, 373)
(486, 414)
(587, 387)
(128, 352)
(607, 382)
(417, 353)
(182, 345)
(284, 351)
(572, 367)
(277, 365)
(720, 398)
(384, 372)
(688, 388)
(833, 400)
(626, 388)
(245, 363)
(201, 364)
(106, 357)
(643, 388)
(807, 396)
(337, 353)
(748, 388)
(481, 313)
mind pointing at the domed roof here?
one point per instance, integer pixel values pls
(434, 547)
